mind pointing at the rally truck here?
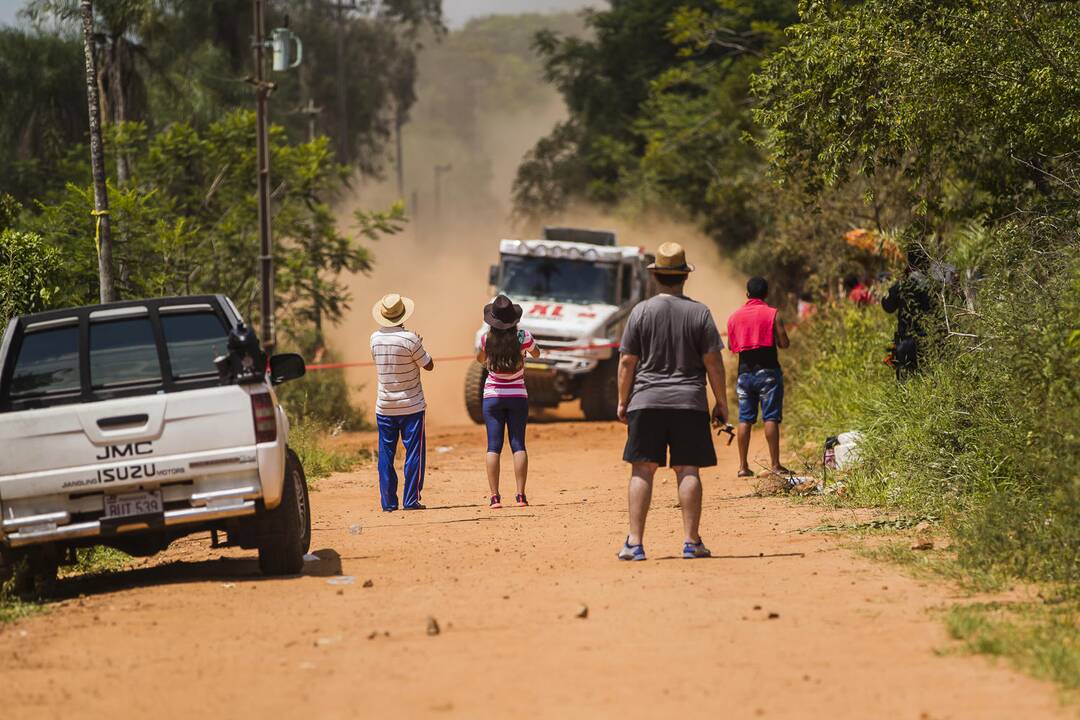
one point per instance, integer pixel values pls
(133, 424)
(577, 288)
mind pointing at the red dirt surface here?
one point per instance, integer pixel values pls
(197, 633)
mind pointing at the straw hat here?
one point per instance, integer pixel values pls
(393, 310)
(671, 260)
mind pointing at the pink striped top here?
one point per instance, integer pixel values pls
(509, 385)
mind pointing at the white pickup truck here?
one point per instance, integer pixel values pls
(133, 424)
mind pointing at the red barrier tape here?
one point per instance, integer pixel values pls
(457, 358)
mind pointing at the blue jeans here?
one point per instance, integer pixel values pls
(506, 416)
(411, 430)
(764, 387)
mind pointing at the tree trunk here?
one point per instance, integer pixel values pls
(119, 101)
(102, 236)
(344, 142)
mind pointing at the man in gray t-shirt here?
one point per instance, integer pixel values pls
(669, 347)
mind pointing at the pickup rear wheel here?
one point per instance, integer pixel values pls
(600, 392)
(29, 573)
(474, 392)
(287, 534)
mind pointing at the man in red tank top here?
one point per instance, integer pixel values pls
(755, 331)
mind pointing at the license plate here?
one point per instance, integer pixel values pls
(133, 504)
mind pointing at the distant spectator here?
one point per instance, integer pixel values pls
(755, 331)
(857, 291)
(806, 307)
(912, 302)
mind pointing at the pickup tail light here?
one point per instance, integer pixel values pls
(262, 412)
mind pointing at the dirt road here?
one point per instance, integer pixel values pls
(198, 633)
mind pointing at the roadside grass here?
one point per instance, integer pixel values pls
(937, 565)
(12, 609)
(94, 560)
(88, 561)
(1038, 638)
(319, 458)
(985, 440)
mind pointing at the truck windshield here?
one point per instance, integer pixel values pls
(573, 281)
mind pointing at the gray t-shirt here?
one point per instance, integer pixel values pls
(671, 334)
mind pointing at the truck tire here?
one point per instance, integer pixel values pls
(287, 531)
(600, 392)
(30, 573)
(474, 392)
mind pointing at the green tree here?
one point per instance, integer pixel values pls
(43, 114)
(30, 269)
(187, 223)
(977, 101)
(659, 109)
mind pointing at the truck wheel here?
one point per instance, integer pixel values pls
(29, 573)
(287, 532)
(474, 392)
(600, 392)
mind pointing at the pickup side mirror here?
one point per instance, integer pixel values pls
(493, 275)
(285, 367)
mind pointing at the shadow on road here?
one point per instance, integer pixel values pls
(245, 569)
(759, 556)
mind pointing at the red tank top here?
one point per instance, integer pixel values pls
(751, 326)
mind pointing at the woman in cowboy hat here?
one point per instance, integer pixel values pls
(506, 402)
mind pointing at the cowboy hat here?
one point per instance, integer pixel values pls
(393, 310)
(502, 314)
(671, 260)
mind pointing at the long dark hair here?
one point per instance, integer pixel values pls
(503, 348)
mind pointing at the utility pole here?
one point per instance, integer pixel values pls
(315, 250)
(102, 230)
(440, 170)
(262, 160)
(344, 141)
(398, 122)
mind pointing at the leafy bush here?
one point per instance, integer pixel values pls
(987, 436)
(320, 459)
(29, 274)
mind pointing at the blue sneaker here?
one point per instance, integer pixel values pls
(695, 550)
(631, 552)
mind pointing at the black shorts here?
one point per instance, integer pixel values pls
(687, 432)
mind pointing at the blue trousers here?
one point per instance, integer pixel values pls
(411, 430)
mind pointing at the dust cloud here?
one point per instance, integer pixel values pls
(442, 258)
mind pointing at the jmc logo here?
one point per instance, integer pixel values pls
(110, 452)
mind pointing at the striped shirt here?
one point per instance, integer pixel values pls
(398, 356)
(509, 385)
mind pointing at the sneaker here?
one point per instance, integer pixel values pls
(521, 500)
(417, 506)
(695, 550)
(631, 552)
(496, 502)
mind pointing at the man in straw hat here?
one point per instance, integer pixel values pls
(669, 347)
(399, 409)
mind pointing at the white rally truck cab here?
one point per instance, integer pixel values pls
(577, 288)
(133, 424)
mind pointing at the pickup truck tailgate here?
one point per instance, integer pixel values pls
(124, 442)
